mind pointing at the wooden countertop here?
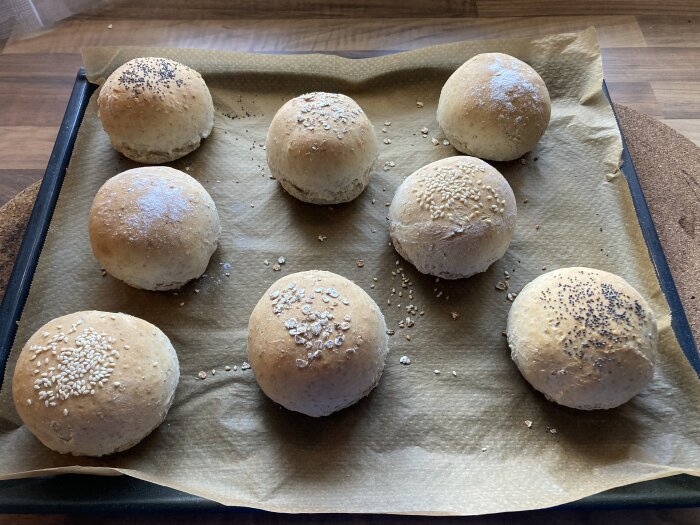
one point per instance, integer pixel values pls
(650, 59)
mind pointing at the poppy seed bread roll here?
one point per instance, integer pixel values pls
(153, 227)
(155, 110)
(453, 218)
(585, 338)
(94, 383)
(494, 107)
(316, 343)
(321, 148)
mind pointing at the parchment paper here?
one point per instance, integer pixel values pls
(422, 442)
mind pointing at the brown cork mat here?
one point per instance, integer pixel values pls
(668, 166)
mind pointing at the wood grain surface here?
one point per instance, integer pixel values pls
(650, 59)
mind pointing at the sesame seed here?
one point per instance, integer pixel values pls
(202, 375)
(405, 360)
(454, 373)
(65, 411)
(245, 366)
(436, 372)
(227, 368)
(419, 104)
(89, 360)
(528, 423)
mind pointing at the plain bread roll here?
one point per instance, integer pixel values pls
(153, 227)
(494, 107)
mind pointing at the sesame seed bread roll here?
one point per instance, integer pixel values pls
(316, 343)
(94, 383)
(153, 227)
(584, 338)
(494, 107)
(321, 148)
(155, 110)
(453, 218)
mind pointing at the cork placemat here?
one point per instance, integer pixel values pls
(667, 164)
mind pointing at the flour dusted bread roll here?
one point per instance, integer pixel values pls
(494, 107)
(316, 343)
(94, 383)
(153, 227)
(155, 110)
(453, 218)
(584, 338)
(321, 148)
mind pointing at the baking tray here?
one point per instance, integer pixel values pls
(72, 493)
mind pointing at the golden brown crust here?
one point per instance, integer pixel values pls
(321, 148)
(316, 342)
(585, 338)
(494, 107)
(155, 110)
(109, 383)
(153, 227)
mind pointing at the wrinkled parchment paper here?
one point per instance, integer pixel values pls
(422, 442)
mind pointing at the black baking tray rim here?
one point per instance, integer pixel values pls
(72, 493)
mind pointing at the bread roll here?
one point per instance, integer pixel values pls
(321, 148)
(155, 110)
(584, 338)
(94, 383)
(453, 218)
(494, 107)
(153, 227)
(316, 343)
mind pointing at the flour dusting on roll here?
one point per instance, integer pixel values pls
(453, 218)
(494, 107)
(94, 383)
(153, 227)
(155, 110)
(585, 338)
(321, 148)
(316, 343)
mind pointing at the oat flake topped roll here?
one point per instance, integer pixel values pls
(321, 148)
